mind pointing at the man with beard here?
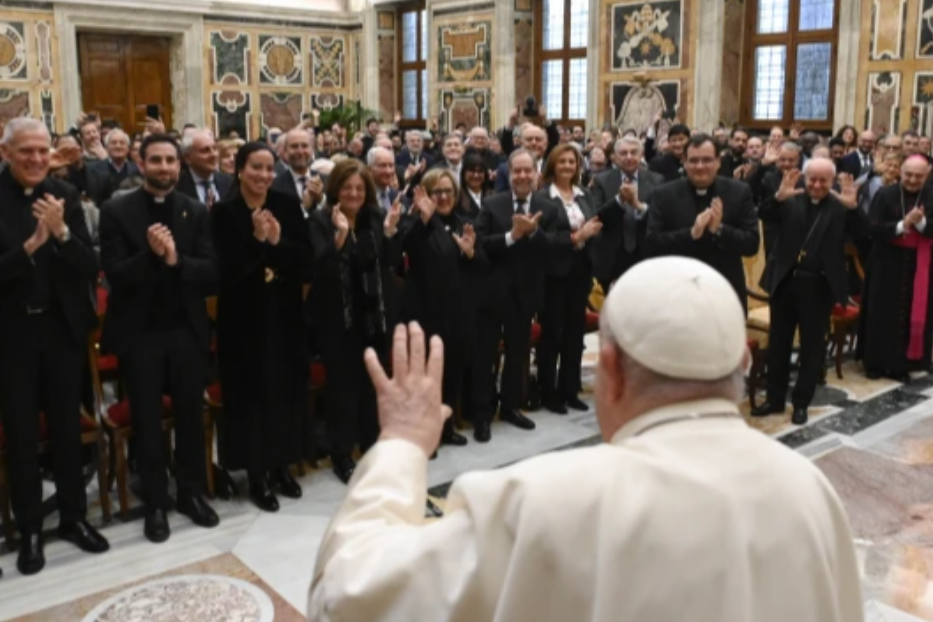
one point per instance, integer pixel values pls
(47, 269)
(670, 165)
(809, 275)
(157, 255)
(861, 161)
(706, 217)
(896, 314)
(736, 155)
(298, 180)
(720, 137)
(201, 180)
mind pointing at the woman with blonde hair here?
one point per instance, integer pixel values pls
(226, 152)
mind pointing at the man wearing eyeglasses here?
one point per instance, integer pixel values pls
(708, 218)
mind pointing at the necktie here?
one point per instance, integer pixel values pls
(384, 200)
(303, 182)
(520, 206)
(208, 192)
(629, 224)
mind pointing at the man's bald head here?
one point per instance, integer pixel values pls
(820, 174)
(534, 139)
(866, 142)
(297, 150)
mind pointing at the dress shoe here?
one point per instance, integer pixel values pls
(261, 496)
(344, 466)
(452, 437)
(767, 409)
(516, 418)
(31, 558)
(83, 536)
(197, 509)
(286, 483)
(799, 417)
(481, 432)
(156, 527)
(577, 404)
(555, 405)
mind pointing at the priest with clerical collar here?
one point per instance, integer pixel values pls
(708, 218)
(809, 276)
(896, 314)
(599, 533)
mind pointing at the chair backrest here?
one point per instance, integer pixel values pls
(754, 268)
(93, 361)
(852, 253)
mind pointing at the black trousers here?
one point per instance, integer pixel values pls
(173, 363)
(563, 325)
(802, 300)
(41, 368)
(350, 399)
(512, 324)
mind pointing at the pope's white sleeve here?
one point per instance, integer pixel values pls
(381, 561)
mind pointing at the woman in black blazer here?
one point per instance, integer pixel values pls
(568, 281)
(351, 303)
(474, 186)
(264, 256)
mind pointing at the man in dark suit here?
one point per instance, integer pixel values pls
(47, 269)
(381, 162)
(414, 153)
(670, 165)
(511, 227)
(201, 180)
(708, 218)
(535, 140)
(452, 148)
(861, 161)
(735, 157)
(809, 275)
(298, 179)
(621, 196)
(105, 176)
(157, 255)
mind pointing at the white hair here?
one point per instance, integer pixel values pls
(373, 152)
(187, 141)
(19, 125)
(115, 132)
(628, 140)
(477, 129)
(522, 152)
(807, 164)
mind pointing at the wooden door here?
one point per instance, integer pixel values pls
(121, 75)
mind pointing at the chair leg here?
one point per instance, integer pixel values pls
(102, 476)
(9, 530)
(119, 447)
(840, 336)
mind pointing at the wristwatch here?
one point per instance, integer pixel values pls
(65, 236)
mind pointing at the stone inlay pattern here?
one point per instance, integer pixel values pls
(12, 51)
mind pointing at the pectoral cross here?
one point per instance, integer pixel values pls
(801, 256)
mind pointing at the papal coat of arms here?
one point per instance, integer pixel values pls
(646, 37)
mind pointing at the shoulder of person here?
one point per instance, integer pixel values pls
(61, 189)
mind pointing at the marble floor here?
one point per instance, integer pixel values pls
(873, 440)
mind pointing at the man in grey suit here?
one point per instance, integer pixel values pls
(621, 197)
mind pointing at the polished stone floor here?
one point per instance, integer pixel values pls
(873, 440)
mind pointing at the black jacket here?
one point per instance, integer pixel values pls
(222, 181)
(562, 252)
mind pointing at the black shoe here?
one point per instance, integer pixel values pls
(31, 558)
(767, 409)
(197, 509)
(555, 405)
(800, 416)
(286, 483)
(156, 527)
(452, 437)
(516, 418)
(261, 496)
(481, 432)
(577, 404)
(344, 466)
(83, 536)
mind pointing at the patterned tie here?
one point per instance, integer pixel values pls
(208, 193)
(520, 206)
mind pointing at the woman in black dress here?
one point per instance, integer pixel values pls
(350, 305)
(474, 186)
(264, 256)
(443, 258)
(568, 281)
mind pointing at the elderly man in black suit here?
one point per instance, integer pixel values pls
(157, 254)
(105, 176)
(47, 269)
(705, 217)
(511, 227)
(201, 180)
(621, 196)
(298, 180)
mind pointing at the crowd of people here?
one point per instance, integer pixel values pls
(317, 242)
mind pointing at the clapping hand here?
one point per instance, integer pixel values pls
(789, 187)
(39, 237)
(410, 407)
(627, 193)
(393, 216)
(273, 228)
(155, 240)
(590, 228)
(314, 192)
(51, 212)
(913, 218)
(260, 225)
(162, 243)
(701, 223)
(715, 215)
(339, 219)
(424, 205)
(848, 193)
(467, 241)
(523, 225)
(796, 130)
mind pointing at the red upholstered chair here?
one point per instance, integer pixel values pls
(844, 320)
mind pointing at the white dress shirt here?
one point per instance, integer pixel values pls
(201, 187)
(574, 213)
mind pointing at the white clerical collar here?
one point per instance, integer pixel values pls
(815, 201)
(158, 200)
(701, 193)
(683, 411)
(28, 191)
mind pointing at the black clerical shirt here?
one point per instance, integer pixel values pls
(34, 291)
(810, 259)
(167, 311)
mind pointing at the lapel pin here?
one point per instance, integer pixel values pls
(184, 214)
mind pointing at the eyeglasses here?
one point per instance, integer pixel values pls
(442, 192)
(476, 171)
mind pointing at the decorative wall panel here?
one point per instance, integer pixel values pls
(230, 111)
(44, 52)
(229, 57)
(469, 106)
(884, 90)
(48, 109)
(328, 59)
(280, 60)
(524, 58)
(281, 110)
(729, 94)
(925, 30)
(888, 20)
(28, 67)
(387, 78)
(922, 110)
(327, 101)
(647, 35)
(634, 106)
(13, 104)
(464, 52)
(13, 51)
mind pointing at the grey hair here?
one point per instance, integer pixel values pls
(807, 164)
(115, 132)
(373, 152)
(520, 152)
(791, 146)
(628, 140)
(19, 125)
(187, 141)
(478, 128)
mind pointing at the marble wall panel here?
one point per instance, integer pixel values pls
(524, 57)
(48, 109)
(888, 22)
(44, 60)
(470, 106)
(13, 103)
(281, 110)
(229, 57)
(13, 55)
(464, 52)
(647, 35)
(884, 98)
(387, 77)
(326, 101)
(328, 61)
(922, 109)
(386, 20)
(29, 67)
(731, 89)
(281, 60)
(230, 111)
(925, 30)
(634, 106)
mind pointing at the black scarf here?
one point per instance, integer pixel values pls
(361, 281)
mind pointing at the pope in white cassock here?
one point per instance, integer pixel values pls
(684, 514)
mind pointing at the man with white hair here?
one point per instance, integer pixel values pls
(201, 180)
(598, 533)
(47, 268)
(381, 163)
(105, 176)
(479, 143)
(808, 276)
